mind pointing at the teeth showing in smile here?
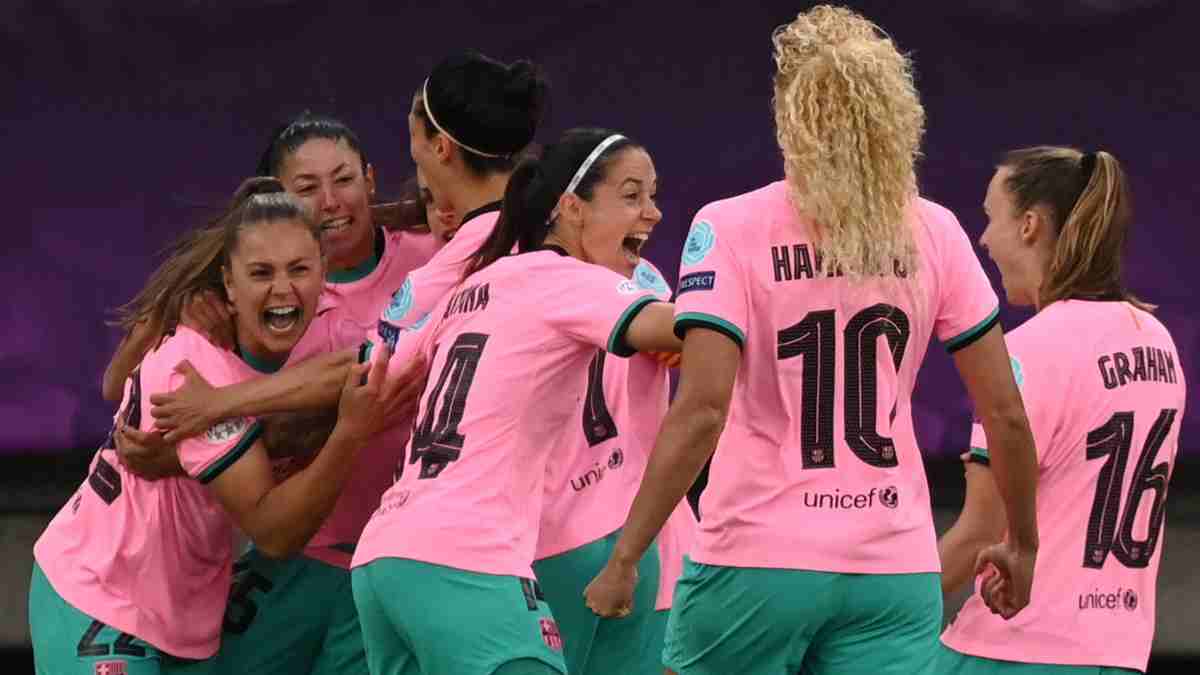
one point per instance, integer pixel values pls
(335, 224)
(282, 319)
(633, 243)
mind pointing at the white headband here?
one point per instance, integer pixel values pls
(432, 119)
(587, 164)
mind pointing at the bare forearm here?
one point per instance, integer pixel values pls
(288, 516)
(313, 384)
(1014, 467)
(958, 549)
(687, 439)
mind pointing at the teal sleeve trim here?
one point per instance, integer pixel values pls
(972, 334)
(979, 456)
(688, 320)
(616, 339)
(235, 453)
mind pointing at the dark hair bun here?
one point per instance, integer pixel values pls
(486, 105)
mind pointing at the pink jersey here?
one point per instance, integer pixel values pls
(138, 555)
(359, 297)
(818, 467)
(1104, 392)
(594, 477)
(428, 284)
(508, 353)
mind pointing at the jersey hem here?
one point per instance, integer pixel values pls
(106, 616)
(688, 320)
(969, 647)
(235, 453)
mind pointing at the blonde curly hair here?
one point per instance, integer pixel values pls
(849, 123)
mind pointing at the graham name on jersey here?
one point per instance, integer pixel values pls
(1139, 364)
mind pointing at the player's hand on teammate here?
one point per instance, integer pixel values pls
(610, 594)
(361, 408)
(668, 359)
(401, 393)
(146, 454)
(188, 410)
(1007, 578)
(206, 313)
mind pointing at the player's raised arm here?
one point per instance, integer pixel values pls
(280, 519)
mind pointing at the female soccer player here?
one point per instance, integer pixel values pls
(297, 615)
(590, 485)
(806, 307)
(1100, 380)
(449, 550)
(470, 121)
(126, 558)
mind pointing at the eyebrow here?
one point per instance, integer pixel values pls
(267, 263)
(313, 176)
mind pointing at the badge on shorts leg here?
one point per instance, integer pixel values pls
(550, 634)
(110, 668)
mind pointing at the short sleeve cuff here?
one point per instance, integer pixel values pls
(979, 456)
(235, 453)
(689, 320)
(969, 336)
(616, 339)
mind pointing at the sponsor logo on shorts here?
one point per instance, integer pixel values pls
(1121, 598)
(550, 634)
(700, 240)
(837, 500)
(596, 473)
(697, 281)
(110, 668)
(226, 430)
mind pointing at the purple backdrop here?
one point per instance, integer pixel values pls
(126, 122)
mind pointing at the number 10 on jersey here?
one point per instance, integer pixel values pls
(814, 340)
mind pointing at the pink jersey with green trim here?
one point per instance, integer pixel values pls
(153, 558)
(591, 483)
(508, 352)
(1104, 391)
(359, 299)
(427, 285)
(818, 467)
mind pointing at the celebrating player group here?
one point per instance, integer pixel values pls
(436, 437)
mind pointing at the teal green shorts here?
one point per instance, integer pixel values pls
(68, 642)
(290, 616)
(420, 618)
(595, 646)
(949, 661)
(776, 621)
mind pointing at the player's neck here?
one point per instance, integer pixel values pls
(471, 195)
